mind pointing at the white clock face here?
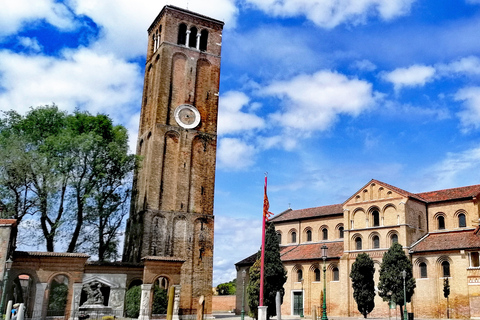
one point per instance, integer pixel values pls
(187, 116)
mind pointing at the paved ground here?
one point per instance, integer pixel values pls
(232, 316)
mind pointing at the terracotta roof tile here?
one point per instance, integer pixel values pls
(50, 254)
(158, 258)
(8, 221)
(308, 213)
(444, 241)
(451, 194)
(311, 251)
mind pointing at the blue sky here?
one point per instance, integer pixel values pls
(323, 95)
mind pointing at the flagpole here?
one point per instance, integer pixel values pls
(262, 266)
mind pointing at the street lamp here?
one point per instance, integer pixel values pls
(303, 300)
(8, 266)
(244, 274)
(405, 314)
(324, 257)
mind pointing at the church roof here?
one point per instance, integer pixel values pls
(308, 213)
(311, 251)
(451, 240)
(451, 194)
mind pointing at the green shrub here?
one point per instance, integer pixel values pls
(132, 302)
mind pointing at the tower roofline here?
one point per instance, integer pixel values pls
(184, 11)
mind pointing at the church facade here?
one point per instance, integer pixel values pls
(438, 230)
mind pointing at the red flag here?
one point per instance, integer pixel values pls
(266, 205)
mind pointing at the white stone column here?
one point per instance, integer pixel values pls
(197, 44)
(176, 303)
(262, 313)
(187, 40)
(77, 291)
(39, 300)
(145, 302)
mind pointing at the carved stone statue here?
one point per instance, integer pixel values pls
(94, 293)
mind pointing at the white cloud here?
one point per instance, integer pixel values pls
(83, 79)
(122, 21)
(231, 233)
(233, 153)
(364, 65)
(330, 13)
(231, 119)
(470, 116)
(456, 169)
(313, 102)
(30, 43)
(17, 14)
(468, 65)
(415, 75)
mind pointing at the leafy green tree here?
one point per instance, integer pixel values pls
(253, 289)
(446, 293)
(227, 288)
(160, 300)
(132, 302)
(70, 171)
(390, 286)
(57, 300)
(363, 284)
(275, 275)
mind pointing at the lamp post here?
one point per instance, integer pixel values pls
(8, 266)
(324, 257)
(303, 300)
(244, 274)
(405, 314)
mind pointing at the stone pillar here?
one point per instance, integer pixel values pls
(262, 313)
(278, 304)
(187, 39)
(77, 292)
(176, 302)
(197, 44)
(39, 300)
(145, 302)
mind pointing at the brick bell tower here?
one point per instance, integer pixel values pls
(172, 202)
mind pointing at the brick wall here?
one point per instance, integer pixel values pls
(223, 303)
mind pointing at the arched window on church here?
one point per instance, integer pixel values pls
(462, 222)
(325, 234)
(376, 218)
(182, 34)
(446, 269)
(376, 242)
(441, 222)
(299, 275)
(317, 274)
(358, 243)
(279, 237)
(294, 237)
(340, 232)
(335, 274)
(309, 235)
(394, 238)
(203, 40)
(192, 42)
(423, 270)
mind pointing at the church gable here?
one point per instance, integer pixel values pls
(376, 190)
